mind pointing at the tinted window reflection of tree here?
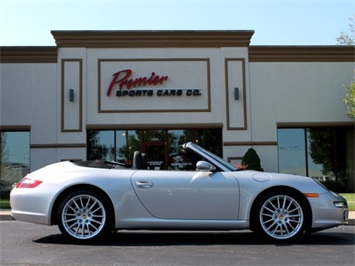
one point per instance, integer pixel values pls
(210, 139)
(3, 153)
(173, 143)
(327, 147)
(133, 143)
(96, 151)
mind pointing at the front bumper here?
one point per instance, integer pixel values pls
(326, 214)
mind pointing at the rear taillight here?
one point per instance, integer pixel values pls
(28, 183)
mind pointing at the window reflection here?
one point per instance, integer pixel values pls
(127, 142)
(314, 169)
(101, 145)
(161, 146)
(122, 149)
(320, 153)
(14, 157)
(292, 151)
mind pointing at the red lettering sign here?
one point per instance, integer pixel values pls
(121, 78)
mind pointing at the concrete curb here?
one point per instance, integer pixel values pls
(5, 215)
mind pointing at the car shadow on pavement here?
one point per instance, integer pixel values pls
(185, 238)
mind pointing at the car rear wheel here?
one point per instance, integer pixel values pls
(281, 216)
(84, 216)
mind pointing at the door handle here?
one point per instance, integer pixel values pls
(144, 184)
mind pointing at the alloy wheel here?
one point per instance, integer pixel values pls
(83, 216)
(281, 217)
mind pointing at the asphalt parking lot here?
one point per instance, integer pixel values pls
(32, 244)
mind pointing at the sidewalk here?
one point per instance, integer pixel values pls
(6, 215)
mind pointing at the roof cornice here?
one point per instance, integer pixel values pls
(334, 53)
(28, 54)
(152, 39)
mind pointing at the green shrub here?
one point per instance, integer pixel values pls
(251, 160)
(4, 204)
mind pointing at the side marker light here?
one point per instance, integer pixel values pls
(311, 195)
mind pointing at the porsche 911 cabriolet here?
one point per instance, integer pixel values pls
(90, 199)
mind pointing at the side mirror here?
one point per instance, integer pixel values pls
(204, 166)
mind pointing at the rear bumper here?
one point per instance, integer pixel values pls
(31, 217)
(30, 206)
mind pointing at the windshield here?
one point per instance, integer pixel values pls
(215, 157)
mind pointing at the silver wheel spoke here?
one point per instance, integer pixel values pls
(71, 220)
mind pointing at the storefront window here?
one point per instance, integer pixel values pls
(161, 146)
(320, 153)
(14, 159)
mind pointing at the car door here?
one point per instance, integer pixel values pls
(187, 194)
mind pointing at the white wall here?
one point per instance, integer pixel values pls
(28, 97)
(297, 93)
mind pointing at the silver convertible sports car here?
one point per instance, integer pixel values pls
(88, 200)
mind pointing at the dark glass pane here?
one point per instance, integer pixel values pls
(315, 170)
(180, 162)
(176, 138)
(210, 139)
(154, 135)
(176, 160)
(101, 145)
(327, 147)
(127, 142)
(121, 146)
(155, 157)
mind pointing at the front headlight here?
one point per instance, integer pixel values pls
(340, 204)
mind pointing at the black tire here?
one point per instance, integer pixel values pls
(84, 216)
(281, 216)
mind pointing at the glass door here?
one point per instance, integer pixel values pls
(155, 146)
(156, 157)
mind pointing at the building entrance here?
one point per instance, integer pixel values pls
(157, 156)
(155, 146)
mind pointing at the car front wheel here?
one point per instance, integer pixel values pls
(281, 216)
(83, 216)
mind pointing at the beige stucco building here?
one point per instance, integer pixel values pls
(119, 81)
